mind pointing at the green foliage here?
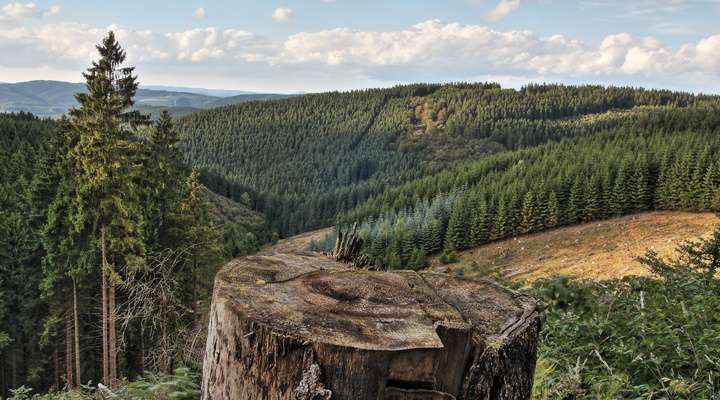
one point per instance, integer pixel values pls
(624, 170)
(637, 337)
(182, 385)
(61, 181)
(449, 257)
(305, 159)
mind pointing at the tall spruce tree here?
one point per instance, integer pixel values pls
(107, 200)
(164, 176)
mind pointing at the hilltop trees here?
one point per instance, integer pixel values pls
(609, 174)
(305, 159)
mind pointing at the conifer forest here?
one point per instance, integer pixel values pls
(120, 230)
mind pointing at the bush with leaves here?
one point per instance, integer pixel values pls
(182, 385)
(639, 337)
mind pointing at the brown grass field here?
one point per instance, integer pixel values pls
(599, 250)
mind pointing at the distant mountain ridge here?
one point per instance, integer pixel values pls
(52, 98)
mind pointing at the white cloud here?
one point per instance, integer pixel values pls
(345, 58)
(53, 10)
(282, 14)
(19, 10)
(503, 9)
(199, 13)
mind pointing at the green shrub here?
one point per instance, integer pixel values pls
(639, 337)
(449, 257)
(182, 385)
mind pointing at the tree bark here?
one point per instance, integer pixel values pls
(69, 381)
(56, 365)
(105, 353)
(300, 326)
(112, 345)
(78, 380)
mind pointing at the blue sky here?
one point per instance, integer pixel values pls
(314, 45)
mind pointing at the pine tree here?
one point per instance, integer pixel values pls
(107, 200)
(639, 191)
(529, 211)
(67, 256)
(202, 239)
(576, 207)
(457, 230)
(553, 211)
(418, 260)
(499, 229)
(164, 168)
(479, 230)
(618, 205)
(591, 198)
(710, 187)
(407, 244)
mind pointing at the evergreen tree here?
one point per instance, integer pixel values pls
(618, 205)
(107, 201)
(499, 229)
(480, 229)
(710, 187)
(639, 191)
(528, 213)
(418, 260)
(164, 168)
(457, 230)
(202, 239)
(576, 206)
(591, 200)
(553, 213)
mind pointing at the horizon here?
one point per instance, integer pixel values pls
(181, 89)
(326, 45)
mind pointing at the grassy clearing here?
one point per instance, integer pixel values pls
(599, 250)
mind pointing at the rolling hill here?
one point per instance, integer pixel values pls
(306, 159)
(52, 98)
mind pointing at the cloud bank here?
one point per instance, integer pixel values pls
(343, 58)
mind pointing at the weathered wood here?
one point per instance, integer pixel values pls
(348, 246)
(302, 326)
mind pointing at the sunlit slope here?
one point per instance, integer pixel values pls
(598, 250)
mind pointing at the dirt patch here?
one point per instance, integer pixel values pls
(298, 243)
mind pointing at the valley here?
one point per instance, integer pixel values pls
(116, 230)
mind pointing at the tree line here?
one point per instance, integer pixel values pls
(305, 159)
(630, 169)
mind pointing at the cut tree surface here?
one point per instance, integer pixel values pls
(302, 326)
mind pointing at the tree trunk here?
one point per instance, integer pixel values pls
(78, 380)
(56, 364)
(3, 378)
(105, 341)
(142, 350)
(302, 327)
(69, 381)
(112, 345)
(13, 368)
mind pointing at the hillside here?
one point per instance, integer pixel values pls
(305, 159)
(598, 250)
(52, 98)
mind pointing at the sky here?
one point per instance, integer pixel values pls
(319, 45)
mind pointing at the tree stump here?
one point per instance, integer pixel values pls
(302, 326)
